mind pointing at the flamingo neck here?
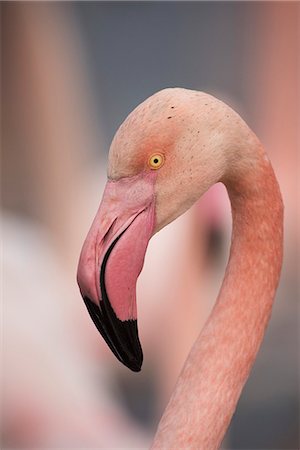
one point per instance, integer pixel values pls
(210, 384)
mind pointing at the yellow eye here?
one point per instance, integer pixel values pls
(156, 161)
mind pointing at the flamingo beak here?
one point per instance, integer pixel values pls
(111, 260)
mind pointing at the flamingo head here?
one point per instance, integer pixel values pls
(162, 158)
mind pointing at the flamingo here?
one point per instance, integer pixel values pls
(165, 155)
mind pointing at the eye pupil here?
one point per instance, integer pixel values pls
(156, 161)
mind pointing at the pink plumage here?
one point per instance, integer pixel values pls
(165, 155)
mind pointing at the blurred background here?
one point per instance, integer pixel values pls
(71, 72)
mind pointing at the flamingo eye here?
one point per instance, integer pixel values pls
(156, 161)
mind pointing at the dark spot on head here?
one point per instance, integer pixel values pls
(172, 107)
(170, 117)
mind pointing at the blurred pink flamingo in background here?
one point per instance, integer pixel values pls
(165, 155)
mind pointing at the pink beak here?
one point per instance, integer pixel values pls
(111, 260)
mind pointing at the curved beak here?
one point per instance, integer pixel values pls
(111, 260)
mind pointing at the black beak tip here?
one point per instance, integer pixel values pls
(134, 365)
(132, 355)
(120, 336)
